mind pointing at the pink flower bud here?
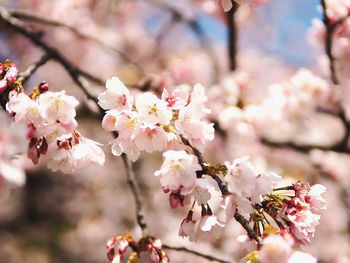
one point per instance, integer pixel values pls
(165, 189)
(12, 72)
(43, 146)
(31, 131)
(33, 152)
(43, 87)
(154, 258)
(110, 248)
(174, 201)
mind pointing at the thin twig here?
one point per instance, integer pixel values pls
(20, 27)
(199, 254)
(48, 22)
(30, 70)
(136, 193)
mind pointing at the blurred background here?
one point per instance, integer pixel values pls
(68, 218)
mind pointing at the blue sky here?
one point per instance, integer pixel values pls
(279, 29)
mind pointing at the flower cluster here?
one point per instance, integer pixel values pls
(147, 247)
(149, 123)
(278, 248)
(251, 193)
(302, 211)
(50, 117)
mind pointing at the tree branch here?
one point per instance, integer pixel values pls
(48, 22)
(208, 257)
(30, 70)
(19, 27)
(328, 43)
(232, 36)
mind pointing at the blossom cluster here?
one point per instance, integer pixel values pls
(147, 248)
(278, 248)
(304, 93)
(149, 123)
(250, 192)
(50, 118)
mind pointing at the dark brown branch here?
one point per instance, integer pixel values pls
(48, 22)
(18, 26)
(131, 180)
(339, 148)
(30, 70)
(328, 43)
(208, 257)
(224, 191)
(232, 36)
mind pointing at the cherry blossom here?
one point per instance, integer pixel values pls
(178, 97)
(116, 96)
(26, 109)
(151, 138)
(178, 171)
(57, 106)
(152, 110)
(241, 176)
(232, 202)
(209, 227)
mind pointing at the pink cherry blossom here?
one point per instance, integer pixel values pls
(109, 120)
(233, 202)
(127, 124)
(128, 147)
(26, 109)
(151, 138)
(201, 190)
(264, 185)
(116, 96)
(209, 227)
(178, 97)
(153, 110)
(87, 151)
(62, 159)
(275, 249)
(241, 176)
(314, 198)
(299, 256)
(178, 170)
(57, 106)
(187, 227)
